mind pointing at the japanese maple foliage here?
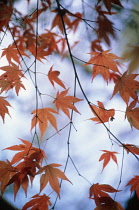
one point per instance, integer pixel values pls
(41, 46)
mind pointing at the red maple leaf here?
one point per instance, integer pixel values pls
(107, 156)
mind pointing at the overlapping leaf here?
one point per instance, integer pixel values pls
(51, 175)
(6, 172)
(98, 191)
(27, 150)
(102, 115)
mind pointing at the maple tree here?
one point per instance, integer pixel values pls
(41, 53)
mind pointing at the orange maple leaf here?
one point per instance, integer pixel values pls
(134, 182)
(133, 115)
(99, 191)
(106, 156)
(132, 148)
(42, 116)
(102, 114)
(126, 86)
(103, 62)
(64, 102)
(51, 175)
(39, 202)
(3, 107)
(53, 77)
(27, 150)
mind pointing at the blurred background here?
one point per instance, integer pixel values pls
(87, 139)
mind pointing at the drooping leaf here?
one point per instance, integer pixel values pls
(98, 191)
(102, 114)
(105, 27)
(134, 182)
(65, 102)
(34, 204)
(3, 107)
(53, 77)
(42, 116)
(51, 175)
(103, 62)
(132, 148)
(126, 86)
(107, 156)
(21, 178)
(132, 114)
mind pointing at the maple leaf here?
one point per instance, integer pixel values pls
(27, 150)
(108, 203)
(5, 15)
(51, 175)
(57, 20)
(64, 102)
(99, 191)
(126, 86)
(6, 172)
(11, 52)
(21, 179)
(53, 77)
(134, 182)
(102, 114)
(106, 156)
(42, 116)
(131, 148)
(133, 114)
(36, 201)
(108, 4)
(11, 72)
(103, 62)
(3, 107)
